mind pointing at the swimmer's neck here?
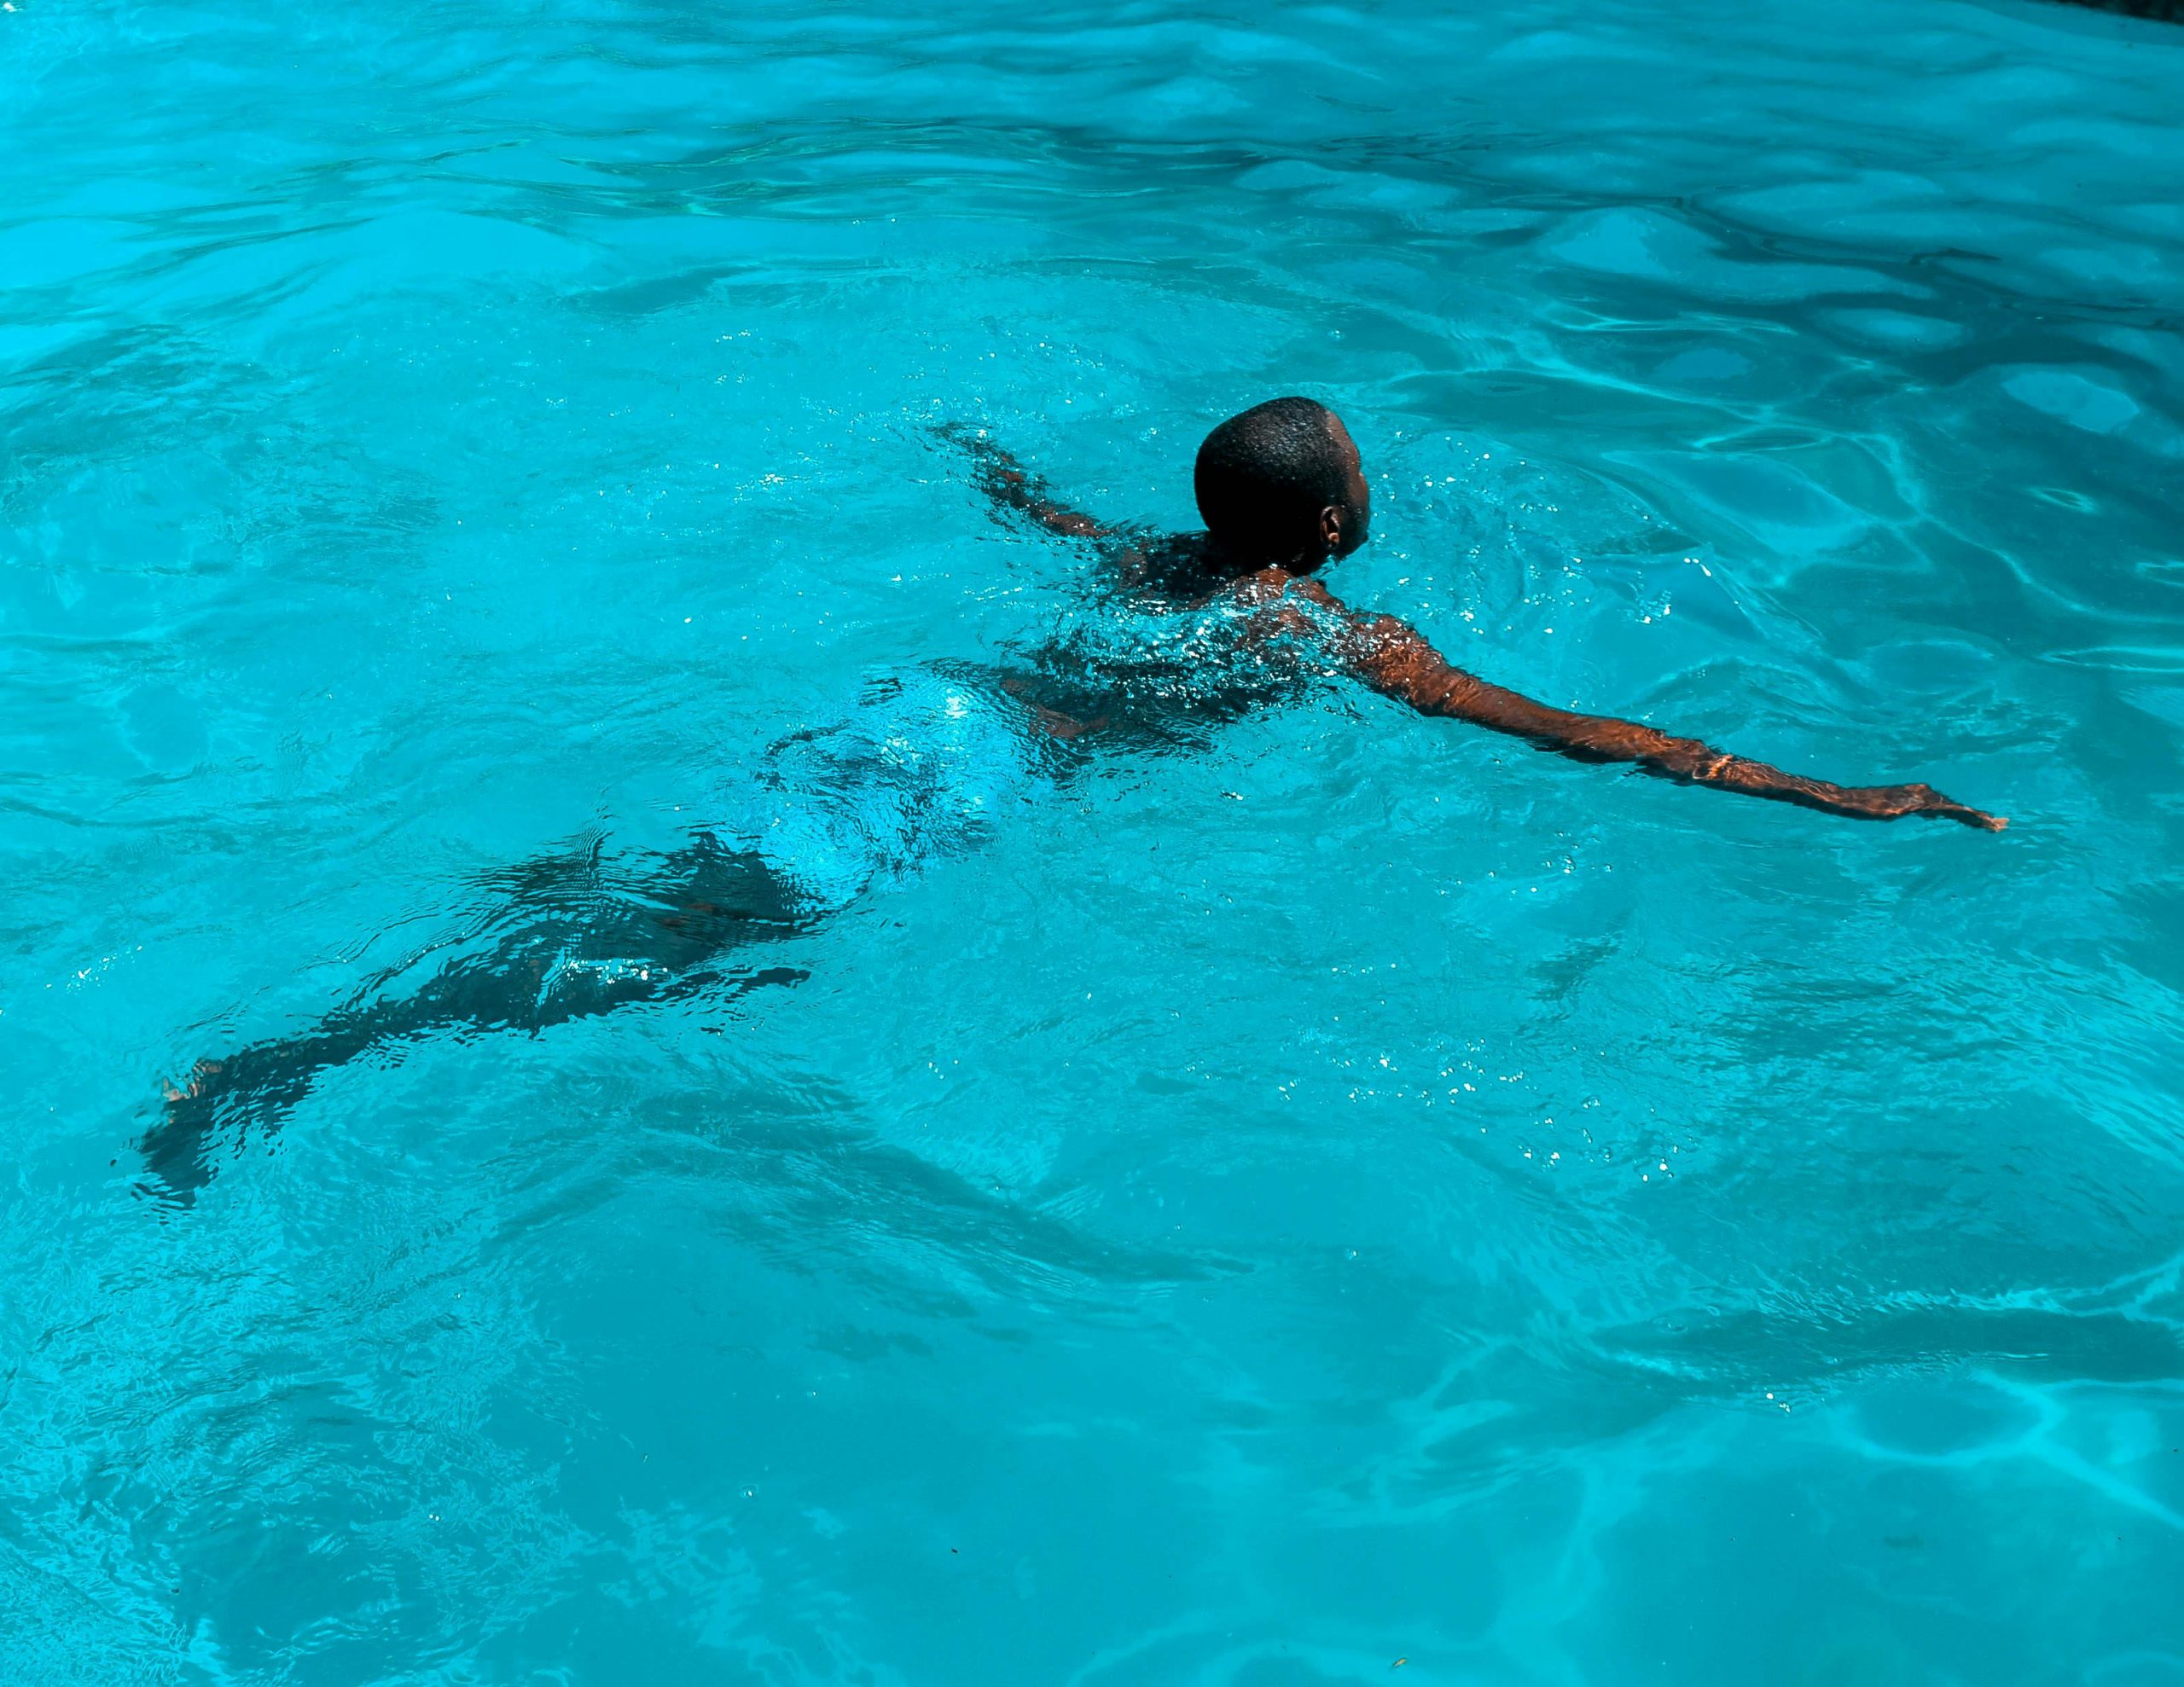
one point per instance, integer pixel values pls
(1214, 565)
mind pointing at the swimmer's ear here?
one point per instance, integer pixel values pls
(1331, 523)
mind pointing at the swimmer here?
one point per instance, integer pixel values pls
(1283, 491)
(915, 769)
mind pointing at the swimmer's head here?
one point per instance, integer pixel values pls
(1282, 483)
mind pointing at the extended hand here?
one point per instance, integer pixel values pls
(1893, 802)
(1686, 758)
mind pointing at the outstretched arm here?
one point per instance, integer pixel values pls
(1396, 659)
(995, 472)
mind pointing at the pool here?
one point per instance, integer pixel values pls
(1287, 1193)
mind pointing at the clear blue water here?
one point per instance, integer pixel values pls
(1252, 1204)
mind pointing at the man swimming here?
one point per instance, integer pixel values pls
(926, 756)
(1282, 491)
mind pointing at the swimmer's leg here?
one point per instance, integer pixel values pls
(568, 946)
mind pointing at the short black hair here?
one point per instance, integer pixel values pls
(1263, 477)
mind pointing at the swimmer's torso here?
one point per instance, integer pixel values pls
(1178, 642)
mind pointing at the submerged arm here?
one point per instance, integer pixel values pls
(1398, 661)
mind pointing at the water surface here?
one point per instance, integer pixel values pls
(1317, 1189)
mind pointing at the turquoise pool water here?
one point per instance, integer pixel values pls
(1281, 1193)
